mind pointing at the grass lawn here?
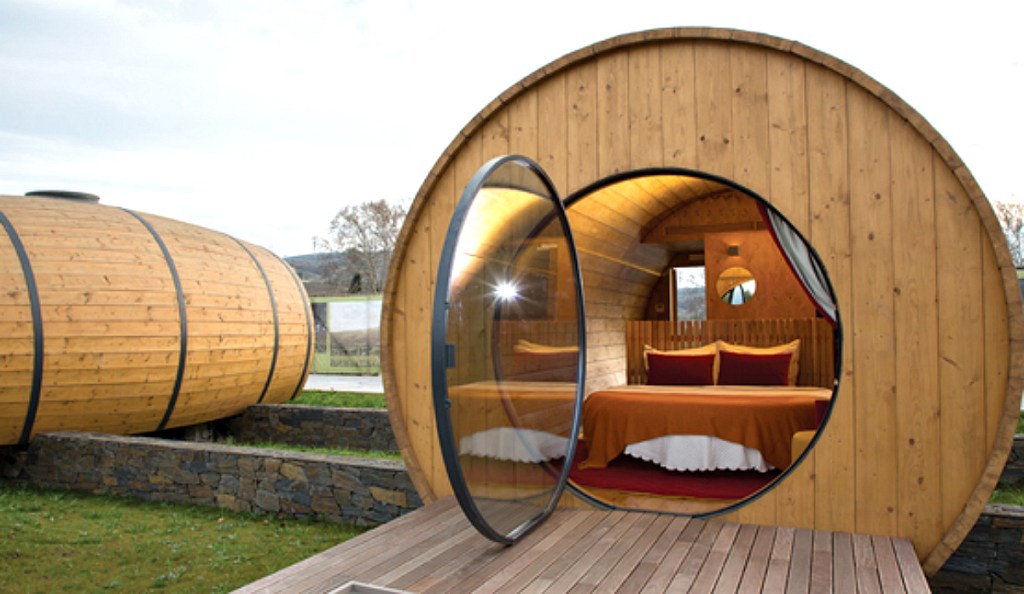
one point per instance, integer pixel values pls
(341, 399)
(314, 450)
(54, 541)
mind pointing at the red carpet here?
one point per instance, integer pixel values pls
(627, 473)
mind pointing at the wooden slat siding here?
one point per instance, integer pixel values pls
(612, 113)
(837, 101)
(916, 330)
(997, 327)
(713, 101)
(644, 113)
(873, 341)
(828, 153)
(678, 89)
(816, 359)
(961, 352)
(749, 71)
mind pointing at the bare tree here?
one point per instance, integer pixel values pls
(366, 234)
(1011, 218)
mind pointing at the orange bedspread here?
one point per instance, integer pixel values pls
(759, 417)
(541, 406)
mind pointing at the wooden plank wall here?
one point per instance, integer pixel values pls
(111, 325)
(817, 363)
(930, 315)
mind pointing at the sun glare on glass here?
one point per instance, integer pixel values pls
(506, 291)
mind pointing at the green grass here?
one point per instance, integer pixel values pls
(315, 450)
(341, 399)
(1020, 423)
(53, 541)
(1008, 495)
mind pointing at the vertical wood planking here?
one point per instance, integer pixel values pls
(645, 123)
(714, 115)
(678, 113)
(961, 332)
(580, 146)
(919, 464)
(871, 313)
(788, 139)
(829, 233)
(612, 113)
(749, 71)
(788, 169)
(997, 325)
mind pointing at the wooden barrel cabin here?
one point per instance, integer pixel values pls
(669, 147)
(123, 322)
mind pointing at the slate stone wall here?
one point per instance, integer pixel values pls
(357, 490)
(352, 428)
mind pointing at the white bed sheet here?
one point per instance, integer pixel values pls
(698, 452)
(518, 445)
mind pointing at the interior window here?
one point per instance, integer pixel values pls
(689, 292)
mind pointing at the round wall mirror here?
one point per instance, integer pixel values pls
(736, 285)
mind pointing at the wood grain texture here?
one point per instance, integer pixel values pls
(932, 323)
(112, 323)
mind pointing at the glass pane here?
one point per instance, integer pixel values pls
(691, 299)
(514, 343)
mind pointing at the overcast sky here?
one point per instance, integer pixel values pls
(261, 119)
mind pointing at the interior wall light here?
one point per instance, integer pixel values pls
(733, 250)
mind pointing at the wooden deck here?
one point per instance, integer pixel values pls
(435, 549)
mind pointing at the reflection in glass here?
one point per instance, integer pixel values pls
(736, 285)
(513, 323)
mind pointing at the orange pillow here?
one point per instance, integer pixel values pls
(792, 348)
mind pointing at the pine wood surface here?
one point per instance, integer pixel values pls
(932, 351)
(111, 325)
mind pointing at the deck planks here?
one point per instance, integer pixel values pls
(435, 549)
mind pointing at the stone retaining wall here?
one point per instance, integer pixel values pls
(357, 490)
(352, 428)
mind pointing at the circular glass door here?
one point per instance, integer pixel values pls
(507, 348)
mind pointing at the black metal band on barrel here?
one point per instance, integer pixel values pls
(273, 306)
(309, 331)
(183, 354)
(37, 329)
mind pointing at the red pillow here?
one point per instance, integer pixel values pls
(742, 369)
(680, 370)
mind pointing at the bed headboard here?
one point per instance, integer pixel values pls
(817, 367)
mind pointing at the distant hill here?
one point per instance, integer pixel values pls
(310, 268)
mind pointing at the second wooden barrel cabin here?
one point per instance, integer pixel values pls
(124, 322)
(666, 141)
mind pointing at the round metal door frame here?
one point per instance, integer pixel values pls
(440, 352)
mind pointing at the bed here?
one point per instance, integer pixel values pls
(519, 421)
(720, 406)
(699, 427)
